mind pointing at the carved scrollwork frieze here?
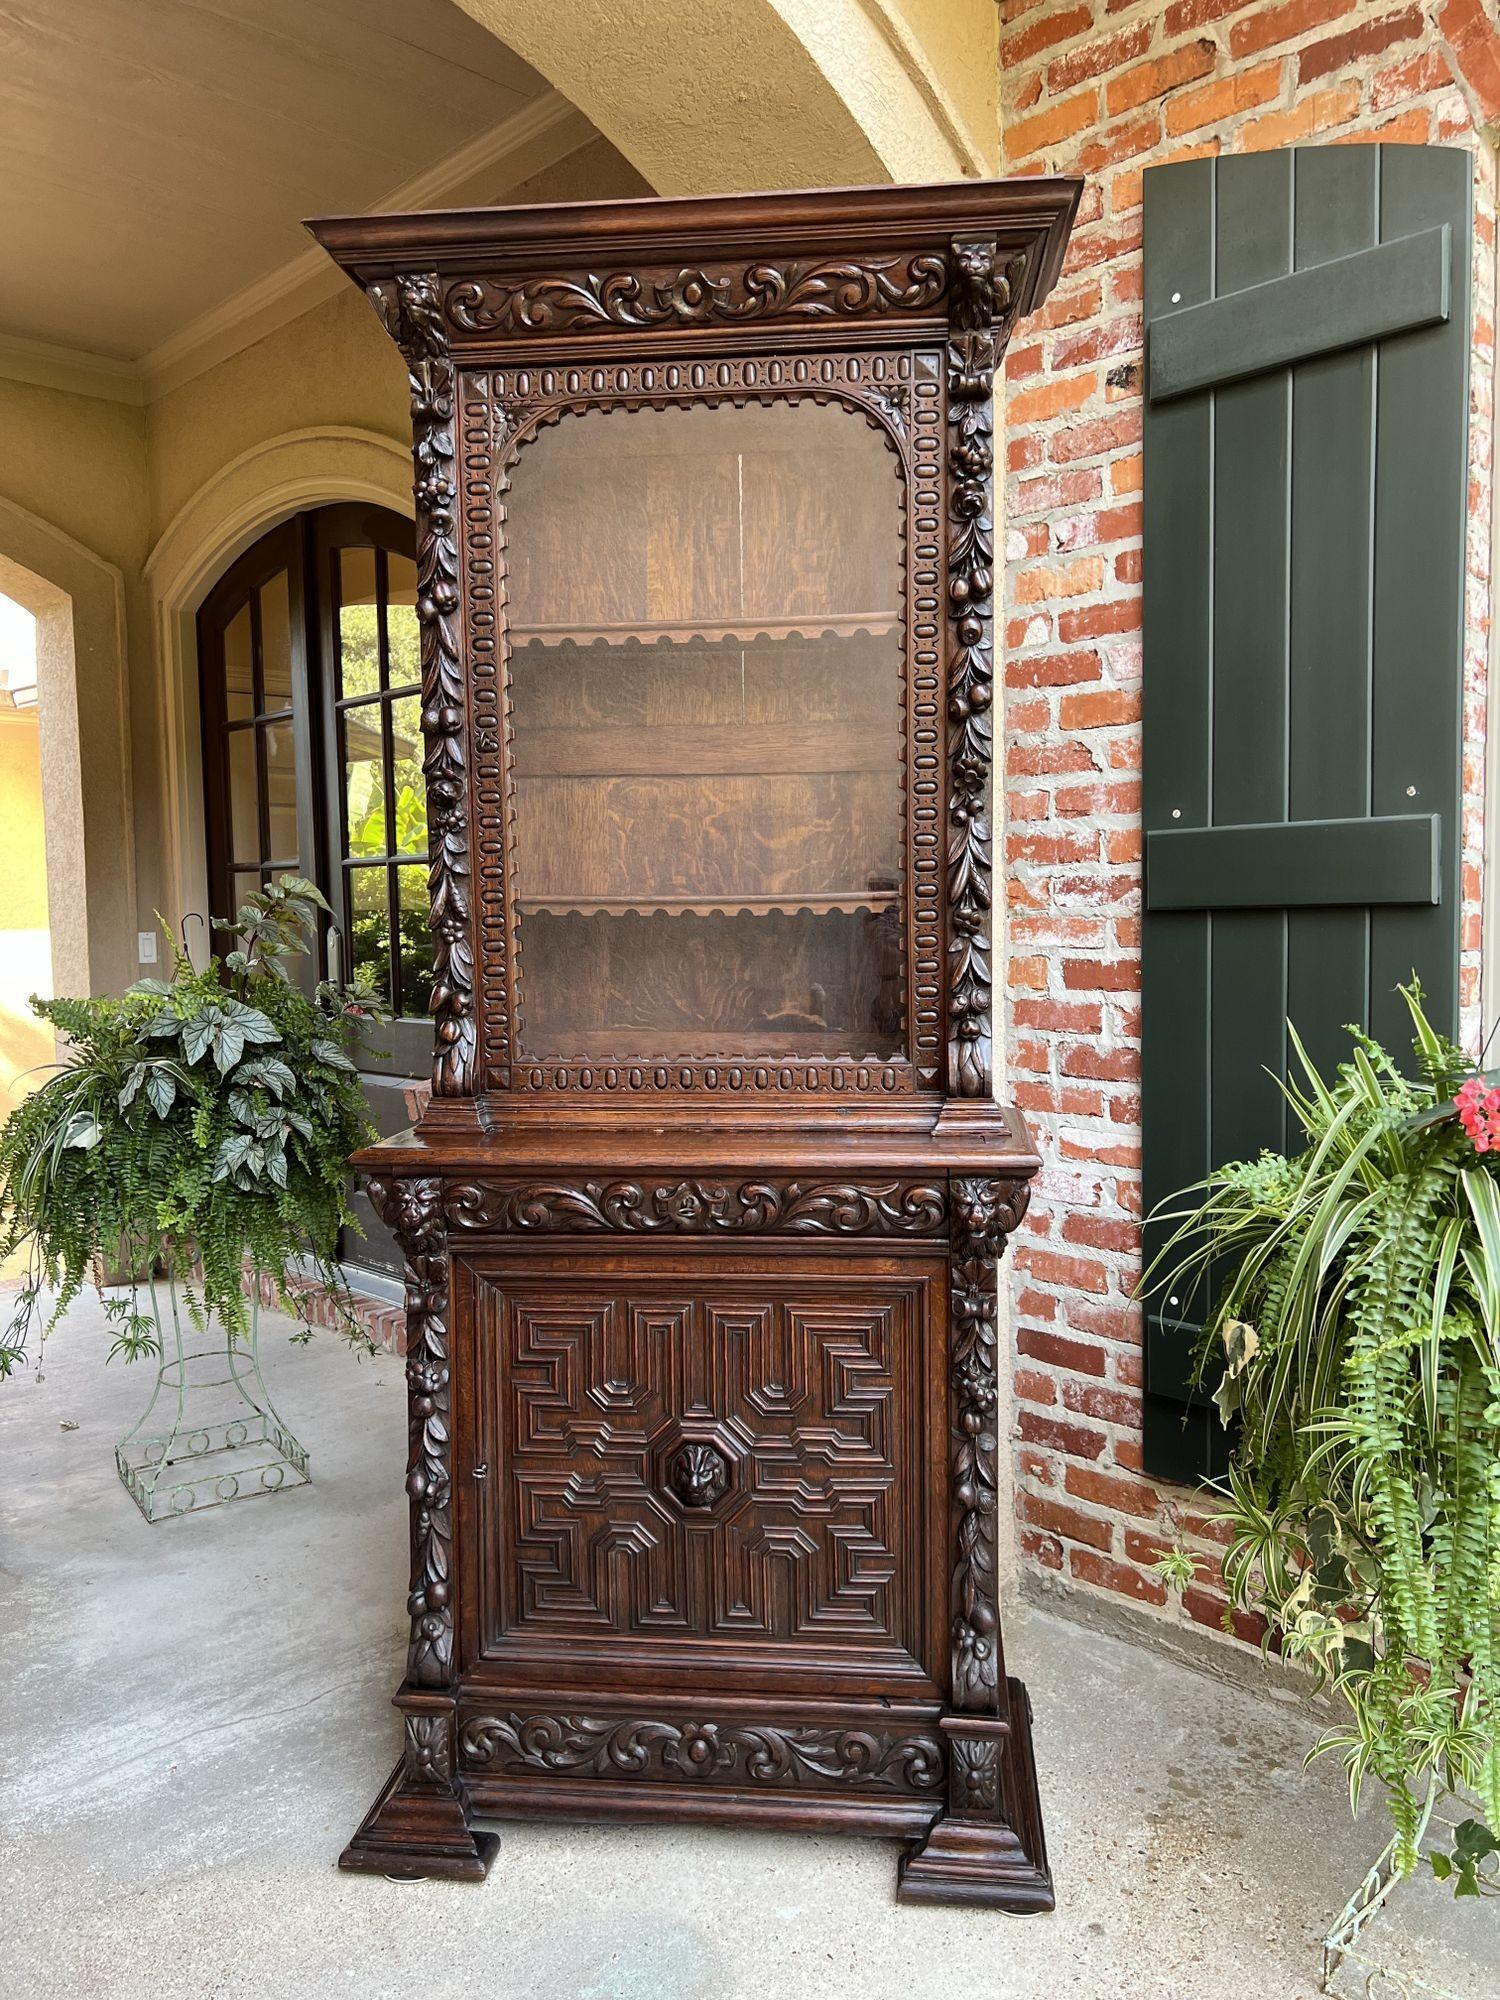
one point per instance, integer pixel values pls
(410, 309)
(846, 288)
(984, 1212)
(695, 1206)
(412, 1209)
(639, 1747)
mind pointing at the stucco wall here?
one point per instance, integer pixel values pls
(80, 463)
(111, 478)
(25, 949)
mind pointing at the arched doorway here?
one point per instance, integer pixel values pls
(310, 700)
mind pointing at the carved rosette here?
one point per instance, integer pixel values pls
(410, 309)
(584, 1746)
(984, 1213)
(981, 306)
(427, 1753)
(413, 1211)
(848, 288)
(699, 1207)
(973, 1776)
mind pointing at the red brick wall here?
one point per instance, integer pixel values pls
(1106, 88)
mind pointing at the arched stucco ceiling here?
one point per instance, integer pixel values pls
(724, 95)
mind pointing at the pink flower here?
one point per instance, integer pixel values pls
(1478, 1108)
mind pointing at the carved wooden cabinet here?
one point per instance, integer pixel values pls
(702, 1218)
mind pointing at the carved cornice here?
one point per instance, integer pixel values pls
(984, 1212)
(413, 1211)
(410, 310)
(847, 288)
(699, 1207)
(636, 1747)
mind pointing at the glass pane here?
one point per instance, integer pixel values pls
(364, 780)
(275, 645)
(281, 792)
(370, 930)
(706, 688)
(402, 636)
(416, 940)
(359, 630)
(239, 693)
(406, 771)
(243, 882)
(244, 816)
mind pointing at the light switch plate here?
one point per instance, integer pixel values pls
(145, 947)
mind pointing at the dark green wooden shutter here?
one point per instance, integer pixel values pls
(1307, 357)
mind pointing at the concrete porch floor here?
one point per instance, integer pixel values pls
(196, 1716)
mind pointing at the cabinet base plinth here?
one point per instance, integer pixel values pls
(976, 1862)
(414, 1832)
(995, 1858)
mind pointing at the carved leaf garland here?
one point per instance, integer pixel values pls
(984, 1211)
(413, 1211)
(410, 310)
(974, 296)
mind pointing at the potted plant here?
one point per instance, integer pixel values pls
(1356, 1316)
(195, 1134)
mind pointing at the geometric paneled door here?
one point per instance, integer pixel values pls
(616, 1420)
(312, 765)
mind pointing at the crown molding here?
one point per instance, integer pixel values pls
(546, 130)
(536, 137)
(72, 369)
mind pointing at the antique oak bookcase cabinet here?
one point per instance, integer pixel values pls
(703, 1215)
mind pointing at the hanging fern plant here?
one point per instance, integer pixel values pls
(195, 1125)
(1358, 1324)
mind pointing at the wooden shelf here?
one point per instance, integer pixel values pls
(680, 632)
(687, 750)
(849, 902)
(766, 1044)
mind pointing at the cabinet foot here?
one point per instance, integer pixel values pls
(415, 1831)
(989, 1848)
(971, 1861)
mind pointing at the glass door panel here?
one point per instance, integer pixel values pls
(257, 766)
(373, 674)
(705, 684)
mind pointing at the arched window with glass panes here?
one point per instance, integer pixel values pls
(312, 762)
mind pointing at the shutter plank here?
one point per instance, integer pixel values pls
(1421, 504)
(1177, 730)
(1252, 456)
(1339, 302)
(1333, 451)
(1284, 864)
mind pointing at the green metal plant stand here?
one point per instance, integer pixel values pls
(210, 1432)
